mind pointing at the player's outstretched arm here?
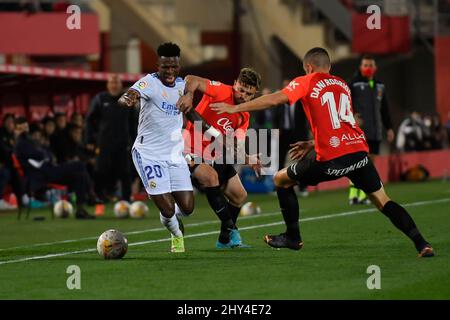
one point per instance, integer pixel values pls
(129, 98)
(261, 103)
(193, 83)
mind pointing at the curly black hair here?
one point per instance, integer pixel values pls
(250, 78)
(168, 49)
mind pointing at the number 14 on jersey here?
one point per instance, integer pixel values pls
(344, 114)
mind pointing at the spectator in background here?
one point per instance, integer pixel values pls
(293, 127)
(439, 134)
(40, 170)
(371, 111)
(60, 136)
(4, 179)
(410, 133)
(49, 129)
(432, 133)
(7, 130)
(112, 129)
(60, 122)
(262, 119)
(77, 119)
(36, 134)
(7, 141)
(75, 151)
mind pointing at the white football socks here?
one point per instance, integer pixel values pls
(171, 224)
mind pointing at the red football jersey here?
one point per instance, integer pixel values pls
(236, 122)
(327, 103)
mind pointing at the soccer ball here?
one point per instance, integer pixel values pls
(250, 209)
(62, 209)
(138, 209)
(121, 209)
(112, 244)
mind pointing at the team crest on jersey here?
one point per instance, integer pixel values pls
(142, 84)
(180, 92)
(153, 184)
(293, 84)
(379, 92)
(335, 141)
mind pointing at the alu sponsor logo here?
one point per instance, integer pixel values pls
(335, 142)
(352, 137)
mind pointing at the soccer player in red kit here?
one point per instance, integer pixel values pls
(339, 149)
(220, 180)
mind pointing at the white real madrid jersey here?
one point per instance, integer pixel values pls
(159, 134)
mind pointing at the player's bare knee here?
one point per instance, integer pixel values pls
(379, 200)
(276, 180)
(188, 208)
(238, 199)
(206, 176)
(168, 210)
(208, 179)
(279, 180)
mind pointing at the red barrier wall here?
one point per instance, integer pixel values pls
(393, 36)
(390, 167)
(47, 34)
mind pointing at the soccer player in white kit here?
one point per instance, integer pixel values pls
(158, 150)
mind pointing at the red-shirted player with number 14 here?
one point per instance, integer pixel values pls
(339, 149)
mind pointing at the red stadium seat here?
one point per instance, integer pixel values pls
(30, 193)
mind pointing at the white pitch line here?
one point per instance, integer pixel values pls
(135, 232)
(328, 216)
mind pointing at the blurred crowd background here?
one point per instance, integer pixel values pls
(51, 76)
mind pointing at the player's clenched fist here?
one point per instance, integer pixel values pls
(129, 99)
(184, 104)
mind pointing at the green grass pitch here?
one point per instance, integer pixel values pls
(341, 241)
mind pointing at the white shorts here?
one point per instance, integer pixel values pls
(159, 176)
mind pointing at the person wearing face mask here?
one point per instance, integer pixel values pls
(371, 110)
(339, 149)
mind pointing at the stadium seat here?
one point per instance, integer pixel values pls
(30, 191)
